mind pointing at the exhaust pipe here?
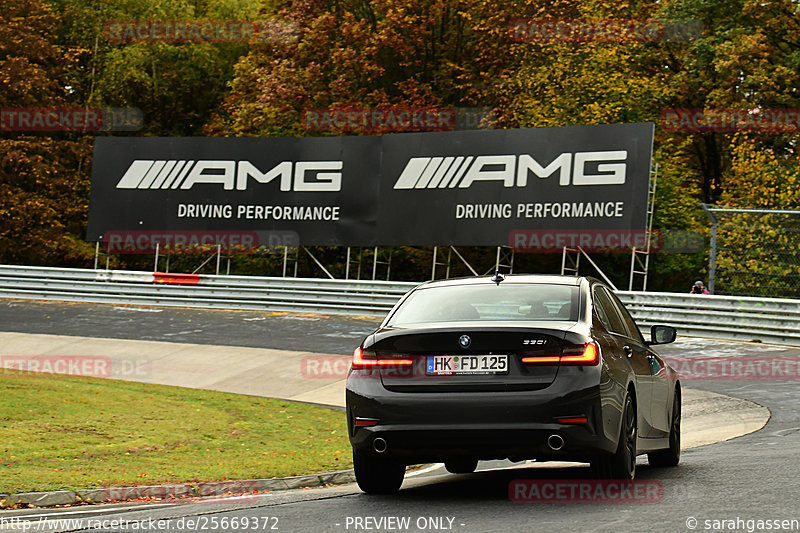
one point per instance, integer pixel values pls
(379, 445)
(555, 442)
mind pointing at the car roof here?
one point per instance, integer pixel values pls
(513, 279)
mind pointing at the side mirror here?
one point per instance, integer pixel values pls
(662, 334)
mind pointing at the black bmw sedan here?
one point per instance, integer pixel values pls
(521, 367)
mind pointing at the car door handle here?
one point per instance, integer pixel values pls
(628, 351)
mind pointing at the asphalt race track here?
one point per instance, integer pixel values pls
(254, 329)
(741, 481)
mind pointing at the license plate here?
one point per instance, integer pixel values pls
(466, 364)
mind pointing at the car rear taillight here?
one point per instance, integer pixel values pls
(583, 355)
(542, 360)
(590, 355)
(573, 420)
(362, 361)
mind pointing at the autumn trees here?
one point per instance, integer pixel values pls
(57, 55)
(44, 182)
(739, 54)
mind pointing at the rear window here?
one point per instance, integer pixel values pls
(516, 302)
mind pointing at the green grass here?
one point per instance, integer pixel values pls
(66, 432)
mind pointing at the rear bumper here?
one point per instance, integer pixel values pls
(430, 427)
(415, 445)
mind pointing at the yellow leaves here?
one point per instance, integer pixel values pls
(759, 177)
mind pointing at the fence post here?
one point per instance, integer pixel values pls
(712, 253)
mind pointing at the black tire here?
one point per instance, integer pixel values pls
(461, 465)
(672, 455)
(622, 463)
(377, 475)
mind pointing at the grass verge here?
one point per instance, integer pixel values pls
(67, 432)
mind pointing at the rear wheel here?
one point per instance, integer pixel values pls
(622, 463)
(672, 455)
(461, 465)
(377, 475)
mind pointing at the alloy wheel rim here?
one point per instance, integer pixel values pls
(676, 424)
(630, 441)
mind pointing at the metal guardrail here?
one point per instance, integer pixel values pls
(215, 292)
(770, 320)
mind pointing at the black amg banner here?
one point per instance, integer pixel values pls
(457, 187)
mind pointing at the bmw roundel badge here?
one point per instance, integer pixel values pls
(464, 341)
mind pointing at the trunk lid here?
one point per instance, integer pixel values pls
(423, 345)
